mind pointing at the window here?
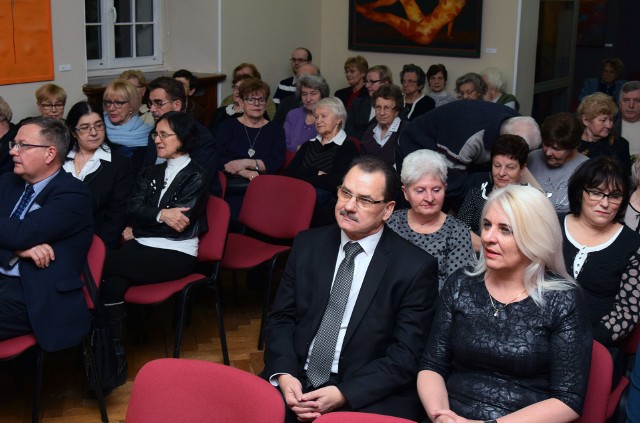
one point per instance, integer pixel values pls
(122, 33)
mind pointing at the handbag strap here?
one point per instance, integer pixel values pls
(94, 291)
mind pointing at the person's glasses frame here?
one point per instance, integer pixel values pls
(362, 202)
(612, 197)
(161, 135)
(256, 100)
(118, 104)
(20, 146)
(84, 129)
(49, 106)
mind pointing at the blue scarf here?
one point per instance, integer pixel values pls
(133, 133)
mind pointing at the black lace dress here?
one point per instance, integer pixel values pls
(494, 366)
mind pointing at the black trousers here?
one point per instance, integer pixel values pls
(137, 264)
(14, 319)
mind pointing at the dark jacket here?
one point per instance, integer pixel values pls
(188, 189)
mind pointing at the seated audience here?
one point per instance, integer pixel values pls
(412, 80)
(508, 164)
(600, 253)
(45, 234)
(299, 127)
(191, 85)
(627, 125)
(136, 77)
(107, 173)
(287, 86)
(381, 137)
(324, 161)
(497, 88)
(355, 70)
(361, 114)
(249, 70)
(471, 86)
(231, 110)
(609, 83)
(632, 213)
(511, 340)
(437, 77)
(596, 112)
(8, 132)
(291, 102)
(249, 145)
(51, 100)
(424, 182)
(166, 214)
(555, 162)
(125, 129)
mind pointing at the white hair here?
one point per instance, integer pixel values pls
(421, 163)
(495, 78)
(526, 127)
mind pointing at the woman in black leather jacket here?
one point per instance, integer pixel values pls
(165, 214)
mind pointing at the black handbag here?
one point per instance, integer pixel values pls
(236, 185)
(110, 363)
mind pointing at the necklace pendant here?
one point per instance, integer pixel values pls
(496, 313)
(251, 152)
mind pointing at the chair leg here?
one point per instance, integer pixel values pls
(266, 301)
(234, 279)
(37, 394)
(180, 305)
(223, 336)
(96, 381)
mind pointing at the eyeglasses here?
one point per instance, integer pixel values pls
(613, 198)
(117, 104)
(19, 146)
(294, 60)
(162, 135)
(408, 82)
(469, 92)
(49, 106)
(383, 108)
(256, 100)
(372, 81)
(362, 202)
(99, 127)
(158, 103)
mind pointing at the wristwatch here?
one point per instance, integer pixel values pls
(257, 167)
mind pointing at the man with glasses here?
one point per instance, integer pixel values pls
(361, 115)
(287, 87)
(354, 308)
(45, 234)
(167, 95)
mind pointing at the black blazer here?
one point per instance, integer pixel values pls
(358, 117)
(388, 328)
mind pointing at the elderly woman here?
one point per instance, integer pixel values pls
(324, 160)
(609, 83)
(125, 129)
(412, 79)
(51, 100)
(166, 214)
(497, 88)
(471, 86)
(508, 163)
(597, 113)
(437, 78)
(299, 127)
(136, 77)
(250, 70)
(8, 132)
(602, 254)
(108, 174)
(511, 337)
(424, 182)
(355, 70)
(381, 137)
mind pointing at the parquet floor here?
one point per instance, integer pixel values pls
(64, 395)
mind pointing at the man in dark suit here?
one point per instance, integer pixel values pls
(385, 316)
(45, 234)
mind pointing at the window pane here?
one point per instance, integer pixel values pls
(144, 10)
(144, 40)
(123, 9)
(94, 42)
(123, 41)
(92, 11)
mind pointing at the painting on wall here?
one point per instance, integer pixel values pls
(592, 22)
(25, 41)
(430, 27)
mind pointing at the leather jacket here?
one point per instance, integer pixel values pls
(188, 189)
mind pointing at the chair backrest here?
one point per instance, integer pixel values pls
(211, 246)
(194, 391)
(222, 177)
(288, 158)
(354, 417)
(599, 388)
(278, 206)
(95, 259)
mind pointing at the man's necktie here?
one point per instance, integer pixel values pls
(324, 346)
(24, 202)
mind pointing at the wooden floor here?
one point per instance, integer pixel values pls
(64, 395)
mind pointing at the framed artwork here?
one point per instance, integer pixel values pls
(592, 22)
(26, 48)
(429, 27)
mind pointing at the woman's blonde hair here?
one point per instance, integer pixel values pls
(124, 88)
(537, 233)
(595, 105)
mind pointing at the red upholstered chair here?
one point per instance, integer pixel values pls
(599, 387)
(288, 157)
(222, 177)
(274, 206)
(210, 252)
(11, 348)
(353, 417)
(194, 391)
